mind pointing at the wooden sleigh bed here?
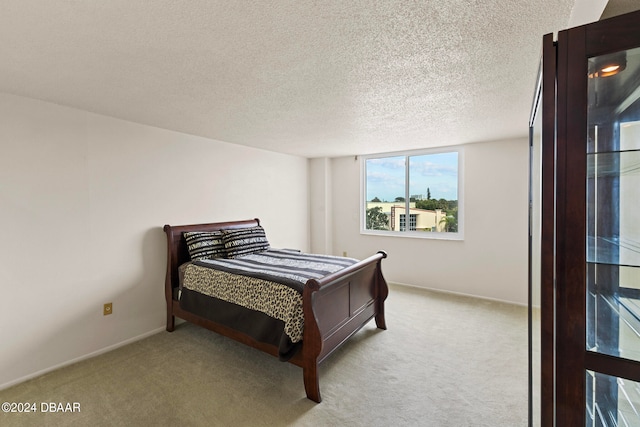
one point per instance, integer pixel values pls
(334, 307)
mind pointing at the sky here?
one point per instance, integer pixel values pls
(438, 172)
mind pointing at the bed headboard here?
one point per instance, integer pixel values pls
(177, 251)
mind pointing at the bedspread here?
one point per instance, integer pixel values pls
(270, 282)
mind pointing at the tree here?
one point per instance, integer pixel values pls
(376, 219)
(450, 222)
(428, 194)
(429, 204)
(400, 199)
(376, 200)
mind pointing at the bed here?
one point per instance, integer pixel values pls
(334, 306)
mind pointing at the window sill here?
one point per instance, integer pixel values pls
(415, 235)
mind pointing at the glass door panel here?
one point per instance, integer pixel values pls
(535, 281)
(614, 181)
(620, 407)
(613, 233)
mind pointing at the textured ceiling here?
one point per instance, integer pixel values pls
(305, 77)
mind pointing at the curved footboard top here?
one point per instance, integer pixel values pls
(346, 272)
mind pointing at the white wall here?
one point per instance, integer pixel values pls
(83, 198)
(492, 260)
(320, 205)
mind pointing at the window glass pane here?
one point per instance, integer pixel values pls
(433, 191)
(385, 191)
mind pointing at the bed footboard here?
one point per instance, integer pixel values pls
(336, 307)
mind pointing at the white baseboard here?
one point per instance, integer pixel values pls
(81, 358)
(444, 291)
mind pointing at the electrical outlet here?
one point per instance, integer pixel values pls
(344, 254)
(108, 309)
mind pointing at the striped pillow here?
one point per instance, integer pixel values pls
(205, 244)
(244, 241)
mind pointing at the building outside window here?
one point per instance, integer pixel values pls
(412, 222)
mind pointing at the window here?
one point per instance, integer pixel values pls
(412, 222)
(426, 185)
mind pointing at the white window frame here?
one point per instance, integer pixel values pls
(459, 235)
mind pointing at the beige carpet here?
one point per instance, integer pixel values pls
(444, 361)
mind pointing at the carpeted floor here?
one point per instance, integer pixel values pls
(445, 360)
